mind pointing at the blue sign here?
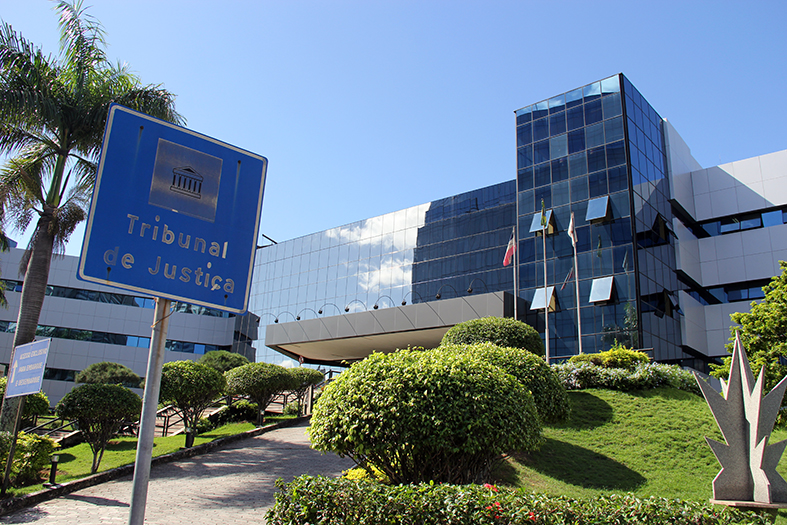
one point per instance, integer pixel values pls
(174, 214)
(27, 369)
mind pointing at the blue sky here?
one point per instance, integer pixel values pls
(367, 107)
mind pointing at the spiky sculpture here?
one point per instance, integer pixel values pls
(746, 419)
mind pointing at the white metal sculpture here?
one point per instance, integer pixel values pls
(746, 420)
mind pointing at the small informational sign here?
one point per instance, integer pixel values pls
(175, 213)
(27, 369)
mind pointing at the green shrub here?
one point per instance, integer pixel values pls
(31, 457)
(239, 411)
(109, 373)
(616, 357)
(417, 415)
(500, 331)
(642, 377)
(260, 382)
(308, 500)
(293, 408)
(35, 404)
(536, 376)
(357, 473)
(204, 425)
(223, 360)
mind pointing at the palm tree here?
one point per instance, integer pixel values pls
(52, 116)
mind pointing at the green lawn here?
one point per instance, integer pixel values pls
(647, 443)
(75, 462)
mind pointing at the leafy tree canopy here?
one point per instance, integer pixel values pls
(109, 373)
(261, 382)
(763, 332)
(35, 404)
(223, 360)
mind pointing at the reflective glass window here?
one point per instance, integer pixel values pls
(524, 115)
(540, 110)
(749, 222)
(601, 289)
(524, 134)
(616, 154)
(729, 225)
(577, 164)
(592, 91)
(524, 157)
(525, 179)
(537, 222)
(597, 183)
(526, 201)
(559, 169)
(613, 129)
(593, 112)
(541, 152)
(557, 104)
(617, 179)
(575, 118)
(544, 193)
(558, 146)
(610, 85)
(560, 195)
(576, 141)
(611, 106)
(540, 129)
(541, 298)
(579, 189)
(772, 218)
(557, 124)
(598, 209)
(574, 98)
(594, 135)
(542, 174)
(596, 159)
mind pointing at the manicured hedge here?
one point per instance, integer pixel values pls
(312, 500)
(617, 357)
(425, 415)
(500, 331)
(549, 394)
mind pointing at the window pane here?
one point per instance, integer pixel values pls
(596, 159)
(557, 124)
(592, 91)
(610, 85)
(577, 164)
(594, 136)
(525, 179)
(540, 129)
(574, 98)
(524, 135)
(593, 112)
(558, 146)
(616, 154)
(542, 174)
(611, 105)
(559, 169)
(772, 218)
(524, 157)
(598, 209)
(576, 141)
(579, 189)
(557, 104)
(613, 129)
(560, 194)
(541, 152)
(576, 118)
(540, 110)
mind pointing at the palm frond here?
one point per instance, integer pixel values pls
(64, 221)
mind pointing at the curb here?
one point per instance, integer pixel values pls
(28, 500)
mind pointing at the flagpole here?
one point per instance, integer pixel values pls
(576, 286)
(516, 264)
(544, 226)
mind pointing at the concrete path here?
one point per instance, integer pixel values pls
(232, 485)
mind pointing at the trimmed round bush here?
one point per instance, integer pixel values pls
(261, 382)
(643, 377)
(109, 373)
(420, 416)
(616, 357)
(500, 331)
(536, 376)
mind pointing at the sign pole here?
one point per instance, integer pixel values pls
(147, 427)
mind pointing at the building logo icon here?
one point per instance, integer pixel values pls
(185, 181)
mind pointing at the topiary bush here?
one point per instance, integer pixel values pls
(415, 415)
(109, 373)
(261, 382)
(239, 411)
(536, 376)
(308, 500)
(500, 331)
(618, 356)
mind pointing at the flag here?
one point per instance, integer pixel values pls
(543, 215)
(510, 249)
(626, 261)
(598, 250)
(568, 277)
(572, 232)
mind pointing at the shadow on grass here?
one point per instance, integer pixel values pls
(587, 411)
(581, 467)
(120, 446)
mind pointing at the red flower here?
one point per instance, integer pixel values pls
(488, 486)
(531, 517)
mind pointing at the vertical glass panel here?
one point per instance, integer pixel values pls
(579, 189)
(541, 152)
(558, 146)
(524, 115)
(597, 183)
(594, 135)
(525, 179)
(577, 164)
(574, 98)
(540, 110)
(524, 157)
(596, 159)
(576, 141)
(540, 129)
(524, 134)
(772, 218)
(560, 195)
(545, 193)
(557, 124)
(559, 169)
(526, 201)
(557, 104)
(610, 85)
(542, 174)
(593, 112)
(616, 154)
(617, 179)
(613, 129)
(611, 106)
(575, 118)
(592, 91)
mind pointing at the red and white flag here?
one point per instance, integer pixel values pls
(571, 231)
(510, 249)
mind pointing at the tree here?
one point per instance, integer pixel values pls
(261, 382)
(100, 410)
(223, 360)
(52, 116)
(763, 332)
(110, 374)
(302, 379)
(422, 416)
(500, 331)
(35, 404)
(191, 388)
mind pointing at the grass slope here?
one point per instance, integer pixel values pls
(649, 443)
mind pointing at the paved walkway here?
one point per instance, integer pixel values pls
(232, 485)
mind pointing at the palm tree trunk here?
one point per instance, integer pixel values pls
(36, 276)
